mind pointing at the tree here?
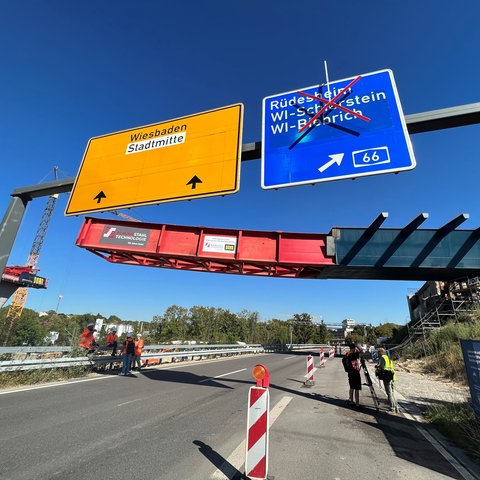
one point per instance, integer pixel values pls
(30, 330)
(249, 321)
(303, 328)
(174, 324)
(202, 320)
(231, 328)
(277, 332)
(324, 334)
(356, 338)
(388, 330)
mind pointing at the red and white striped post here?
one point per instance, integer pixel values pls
(331, 353)
(322, 358)
(256, 458)
(310, 380)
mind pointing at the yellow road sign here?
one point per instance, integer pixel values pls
(185, 158)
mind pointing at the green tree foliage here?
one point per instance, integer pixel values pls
(388, 330)
(174, 324)
(303, 328)
(199, 323)
(357, 336)
(29, 330)
(324, 334)
(371, 335)
(276, 332)
(200, 320)
(251, 325)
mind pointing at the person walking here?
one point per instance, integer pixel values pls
(385, 372)
(127, 354)
(139, 346)
(354, 380)
(87, 339)
(112, 341)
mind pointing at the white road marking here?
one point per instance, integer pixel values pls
(49, 385)
(220, 376)
(235, 461)
(131, 401)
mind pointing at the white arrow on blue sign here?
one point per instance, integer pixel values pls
(344, 129)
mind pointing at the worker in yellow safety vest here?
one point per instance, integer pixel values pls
(385, 372)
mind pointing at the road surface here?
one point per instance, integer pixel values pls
(189, 420)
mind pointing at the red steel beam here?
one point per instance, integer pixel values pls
(242, 252)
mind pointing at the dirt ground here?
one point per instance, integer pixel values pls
(425, 388)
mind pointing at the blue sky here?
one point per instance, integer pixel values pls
(76, 70)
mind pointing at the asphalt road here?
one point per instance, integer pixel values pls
(189, 420)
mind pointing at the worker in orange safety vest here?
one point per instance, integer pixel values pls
(139, 346)
(112, 341)
(87, 339)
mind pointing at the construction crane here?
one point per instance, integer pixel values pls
(16, 307)
(125, 216)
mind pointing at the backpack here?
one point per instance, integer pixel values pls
(347, 364)
(383, 374)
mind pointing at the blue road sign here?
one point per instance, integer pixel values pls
(344, 129)
(471, 357)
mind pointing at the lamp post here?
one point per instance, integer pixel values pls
(58, 303)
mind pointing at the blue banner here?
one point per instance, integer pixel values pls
(471, 356)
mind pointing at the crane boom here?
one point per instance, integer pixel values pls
(20, 296)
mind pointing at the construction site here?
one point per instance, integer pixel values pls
(446, 258)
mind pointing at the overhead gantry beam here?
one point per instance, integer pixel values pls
(438, 236)
(401, 238)
(292, 255)
(364, 239)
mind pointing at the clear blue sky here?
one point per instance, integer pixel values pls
(76, 70)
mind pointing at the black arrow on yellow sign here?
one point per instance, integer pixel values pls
(193, 182)
(100, 196)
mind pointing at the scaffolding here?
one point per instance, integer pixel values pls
(450, 301)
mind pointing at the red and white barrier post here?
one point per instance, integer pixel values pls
(322, 358)
(331, 353)
(310, 370)
(256, 458)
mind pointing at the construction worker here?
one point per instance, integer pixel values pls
(385, 372)
(354, 379)
(112, 341)
(87, 339)
(139, 346)
(127, 354)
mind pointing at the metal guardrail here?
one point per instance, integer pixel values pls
(34, 357)
(294, 347)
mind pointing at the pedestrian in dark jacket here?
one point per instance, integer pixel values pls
(354, 379)
(127, 354)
